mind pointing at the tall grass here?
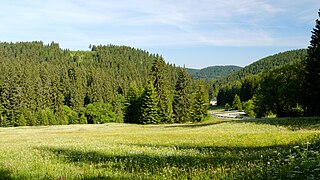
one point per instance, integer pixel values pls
(255, 149)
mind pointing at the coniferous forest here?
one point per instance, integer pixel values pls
(42, 84)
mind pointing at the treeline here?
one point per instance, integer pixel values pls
(45, 85)
(213, 72)
(286, 84)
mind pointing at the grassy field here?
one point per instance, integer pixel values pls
(215, 149)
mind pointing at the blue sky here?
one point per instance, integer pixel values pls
(185, 32)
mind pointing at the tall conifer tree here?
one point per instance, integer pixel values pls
(200, 105)
(132, 100)
(181, 102)
(312, 73)
(149, 109)
(161, 85)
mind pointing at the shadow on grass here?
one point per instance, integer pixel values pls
(249, 162)
(6, 174)
(308, 123)
(197, 125)
(290, 123)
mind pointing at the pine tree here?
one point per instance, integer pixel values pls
(161, 85)
(181, 102)
(149, 109)
(200, 105)
(312, 74)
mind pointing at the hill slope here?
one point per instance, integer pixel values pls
(213, 72)
(39, 82)
(245, 82)
(266, 64)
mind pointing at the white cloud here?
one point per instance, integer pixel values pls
(155, 22)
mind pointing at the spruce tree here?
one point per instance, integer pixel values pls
(181, 102)
(200, 105)
(132, 103)
(149, 109)
(312, 74)
(161, 85)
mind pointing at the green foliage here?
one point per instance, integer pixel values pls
(119, 107)
(99, 113)
(248, 107)
(42, 84)
(312, 74)
(133, 104)
(181, 102)
(227, 92)
(246, 81)
(35, 76)
(149, 109)
(21, 120)
(236, 104)
(266, 64)
(83, 119)
(70, 115)
(161, 84)
(280, 92)
(213, 72)
(29, 117)
(200, 105)
(52, 117)
(42, 117)
(227, 107)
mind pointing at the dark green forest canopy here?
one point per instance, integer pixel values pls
(38, 79)
(265, 64)
(42, 84)
(213, 72)
(246, 81)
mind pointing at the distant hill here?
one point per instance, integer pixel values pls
(266, 64)
(245, 82)
(213, 72)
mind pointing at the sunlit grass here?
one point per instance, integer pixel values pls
(215, 149)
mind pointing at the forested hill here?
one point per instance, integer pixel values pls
(42, 84)
(213, 72)
(266, 64)
(245, 82)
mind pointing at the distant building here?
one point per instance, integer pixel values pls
(213, 101)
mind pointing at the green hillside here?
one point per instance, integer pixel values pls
(246, 81)
(213, 72)
(42, 84)
(266, 64)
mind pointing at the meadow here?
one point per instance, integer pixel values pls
(216, 149)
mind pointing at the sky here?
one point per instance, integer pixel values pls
(190, 33)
